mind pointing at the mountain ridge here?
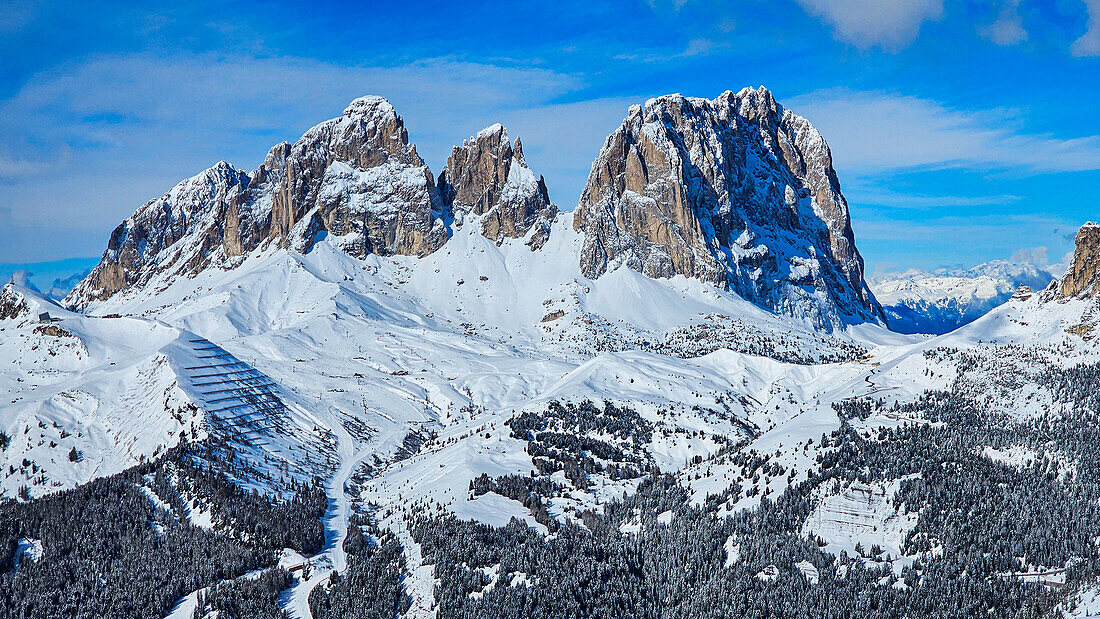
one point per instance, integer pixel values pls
(356, 178)
(940, 301)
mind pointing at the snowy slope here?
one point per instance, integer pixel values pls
(104, 387)
(394, 378)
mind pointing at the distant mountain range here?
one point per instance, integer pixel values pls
(943, 300)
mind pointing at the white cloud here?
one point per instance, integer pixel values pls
(871, 193)
(14, 16)
(874, 132)
(1089, 43)
(1008, 29)
(1038, 256)
(889, 24)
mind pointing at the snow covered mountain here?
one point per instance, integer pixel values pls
(944, 300)
(339, 385)
(761, 213)
(346, 231)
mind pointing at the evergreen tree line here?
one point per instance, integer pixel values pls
(110, 551)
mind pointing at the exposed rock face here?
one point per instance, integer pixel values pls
(734, 191)
(355, 177)
(358, 175)
(12, 304)
(488, 176)
(150, 240)
(1083, 277)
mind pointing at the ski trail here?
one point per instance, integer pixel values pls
(420, 583)
(332, 557)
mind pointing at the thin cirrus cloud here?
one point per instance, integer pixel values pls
(875, 132)
(889, 25)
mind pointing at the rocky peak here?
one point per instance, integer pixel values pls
(488, 176)
(179, 232)
(355, 177)
(736, 191)
(12, 303)
(1083, 277)
(378, 163)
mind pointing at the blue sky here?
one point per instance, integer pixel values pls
(962, 131)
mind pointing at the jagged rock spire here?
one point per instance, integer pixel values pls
(488, 176)
(1083, 277)
(355, 177)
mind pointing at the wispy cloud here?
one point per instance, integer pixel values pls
(957, 241)
(1008, 28)
(871, 193)
(1089, 43)
(890, 25)
(873, 132)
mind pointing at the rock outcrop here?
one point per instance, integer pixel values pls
(180, 232)
(12, 303)
(488, 176)
(735, 191)
(355, 178)
(1083, 277)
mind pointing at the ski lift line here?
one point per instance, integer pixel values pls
(224, 354)
(199, 340)
(211, 347)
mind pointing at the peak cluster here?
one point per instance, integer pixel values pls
(736, 191)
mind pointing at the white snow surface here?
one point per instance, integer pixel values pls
(363, 352)
(860, 514)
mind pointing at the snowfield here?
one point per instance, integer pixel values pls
(394, 379)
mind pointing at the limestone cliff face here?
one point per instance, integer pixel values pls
(488, 176)
(355, 177)
(358, 175)
(735, 191)
(1083, 277)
